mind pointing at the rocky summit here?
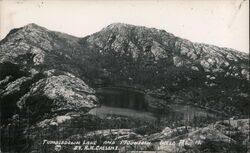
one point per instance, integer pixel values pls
(124, 82)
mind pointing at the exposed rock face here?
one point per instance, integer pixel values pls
(15, 86)
(49, 78)
(66, 92)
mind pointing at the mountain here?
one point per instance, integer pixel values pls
(49, 78)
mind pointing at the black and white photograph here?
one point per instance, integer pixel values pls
(124, 76)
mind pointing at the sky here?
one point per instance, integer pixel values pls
(224, 23)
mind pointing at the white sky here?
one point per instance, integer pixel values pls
(223, 23)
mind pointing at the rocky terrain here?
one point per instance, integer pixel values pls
(50, 81)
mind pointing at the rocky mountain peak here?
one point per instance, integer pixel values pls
(129, 29)
(120, 25)
(33, 26)
(26, 30)
(133, 40)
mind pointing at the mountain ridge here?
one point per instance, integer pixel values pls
(33, 25)
(125, 54)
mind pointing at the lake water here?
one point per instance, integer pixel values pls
(131, 103)
(104, 111)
